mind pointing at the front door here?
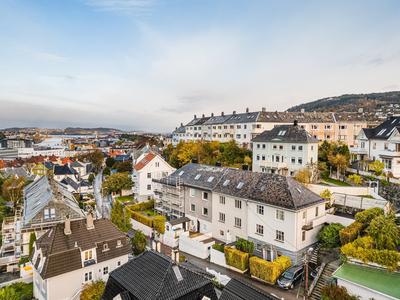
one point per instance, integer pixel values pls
(198, 226)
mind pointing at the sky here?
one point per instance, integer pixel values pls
(152, 64)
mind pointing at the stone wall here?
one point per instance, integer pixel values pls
(391, 193)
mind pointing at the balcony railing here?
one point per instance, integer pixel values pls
(357, 150)
(273, 165)
(308, 226)
(89, 262)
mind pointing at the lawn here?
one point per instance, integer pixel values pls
(125, 199)
(147, 211)
(337, 182)
(366, 196)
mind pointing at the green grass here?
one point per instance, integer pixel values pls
(147, 211)
(323, 184)
(124, 199)
(366, 196)
(337, 182)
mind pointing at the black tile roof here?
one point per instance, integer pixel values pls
(151, 276)
(384, 130)
(239, 290)
(64, 170)
(286, 133)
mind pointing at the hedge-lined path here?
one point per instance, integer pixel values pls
(272, 289)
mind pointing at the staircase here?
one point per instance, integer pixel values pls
(324, 279)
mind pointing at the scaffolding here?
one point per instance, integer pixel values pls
(169, 197)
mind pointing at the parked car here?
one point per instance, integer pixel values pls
(291, 277)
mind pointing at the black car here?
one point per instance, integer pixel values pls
(315, 272)
(291, 277)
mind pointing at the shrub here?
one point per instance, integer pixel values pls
(329, 235)
(385, 182)
(143, 205)
(236, 258)
(245, 246)
(269, 271)
(32, 239)
(22, 261)
(182, 258)
(325, 174)
(334, 291)
(368, 215)
(93, 290)
(362, 249)
(219, 247)
(159, 224)
(142, 219)
(139, 242)
(350, 233)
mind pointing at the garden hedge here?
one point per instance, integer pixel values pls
(143, 205)
(219, 247)
(245, 246)
(368, 215)
(362, 249)
(142, 219)
(236, 258)
(269, 271)
(350, 233)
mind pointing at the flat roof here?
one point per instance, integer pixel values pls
(374, 279)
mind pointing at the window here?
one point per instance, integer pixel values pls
(204, 227)
(303, 236)
(238, 136)
(373, 145)
(221, 233)
(226, 182)
(239, 186)
(259, 229)
(314, 127)
(221, 199)
(386, 146)
(312, 148)
(205, 211)
(88, 255)
(280, 215)
(53, 213)
(222, 217)
(304, 215)
(148, 175)
(192, 207)
(157, 164)
(280, 236)
(245, 126)
(46, 214)
(293, 160)
(119, 263)
(232, 126)
(119, 243)
(316, 211)
(258, 157)
(238, 204)
(328, 127)
(205, 196)
(293, 147)
(258, 146)
(342, 127)
(43, 285)
(274, 147)
(105, 270)
(149, 187)
(105, 247)
(300, 160)
(263, 146)
(210, 179)
(260, 209)
(238, 126)
(88, 276)
(237, 238)
(238, 222)
(280, 147)
(192, 192)
(300, 148)
(263, 157)
(277, 158)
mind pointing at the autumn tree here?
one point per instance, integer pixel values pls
(357, 179)
(117, 182)
(340, 162)
(12, 189)
(377, 166)
(384, 232)
(118, 217)
(95, 157)
(125, 166)
(92, 290)
(106, 171)
(139, 242)
(303, 176)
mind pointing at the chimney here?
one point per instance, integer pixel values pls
(89, 221)
(204, 116)
(181, 124)
(67, 229)
(263, 109)
(360, 110)
(222, 113)
(59, 196)
(234, 112)
(247, 110)
(194, 160)
(212, 114)
(245, 167)
(302, 110)
(195, 117)
(218, 164)
(295, 123)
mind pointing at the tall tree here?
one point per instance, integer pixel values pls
(125, 166)
(116, 183)
(118, 217)
(12, 189)
(93, 290)
(32, 239)
(110, 161)
(384, 232)
(139, 242)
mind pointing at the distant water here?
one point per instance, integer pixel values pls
(56, 140)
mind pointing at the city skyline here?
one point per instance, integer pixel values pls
(150, 65)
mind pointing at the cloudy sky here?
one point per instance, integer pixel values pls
(152, 64)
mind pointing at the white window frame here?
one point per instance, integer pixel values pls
(279, 215)
(202, 211)
(238, 222)
(206, 199)
(260, 209)
(280, 236)
(222, 200)
(89, 276)
(238, 204)
(46, 213)
(192, 192)
(259, 229)
(221, 217)
(194, 205)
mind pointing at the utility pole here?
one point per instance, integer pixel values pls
(102, 203)
(306, 292)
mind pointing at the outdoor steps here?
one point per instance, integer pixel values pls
(325, 279)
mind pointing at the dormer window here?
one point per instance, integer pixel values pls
(88, 255)
(105, 247)
(119, 244)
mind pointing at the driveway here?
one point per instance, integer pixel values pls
(106, 201)
(271, 289)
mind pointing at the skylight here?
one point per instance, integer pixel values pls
(177, 273)
(226, 182)
(181, 173)
(382, 131)
(393, 121)
(282, 132)
(262, 188)
(298, 190)
(240, 185)
(391, 131)
(210, 179)
(197, 177)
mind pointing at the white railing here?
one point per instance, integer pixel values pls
(77, 295)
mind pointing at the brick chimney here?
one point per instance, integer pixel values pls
(89, 221)
(247, 110)
(204, 116)
(212, 114)
(234, 112)
(222, 113)
(360, 110)
(303, 110)
(59, 196)
(67, 229)
(195, 117)
(263, 109)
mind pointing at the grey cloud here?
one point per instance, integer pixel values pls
(390, 87)
(188, 104)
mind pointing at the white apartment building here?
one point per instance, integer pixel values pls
(150, 166)
(284, 150)
(74, 253)
(381, 143)
(243, 127)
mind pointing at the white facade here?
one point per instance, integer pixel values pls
(28, 152)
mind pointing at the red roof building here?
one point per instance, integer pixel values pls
(66, 160)
(140, 165)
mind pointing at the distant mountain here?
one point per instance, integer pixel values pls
(68, 130)
(350, 103)
(100, 130)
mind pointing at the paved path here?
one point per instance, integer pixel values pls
(272, 289)
(106, 201)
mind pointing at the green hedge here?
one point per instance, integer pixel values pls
(368, 215)
(350, 233)
(236, 258)
(269, 271)
(362, 249)
(245, 246)
(143, 205)
(218, 247)
(142, 219)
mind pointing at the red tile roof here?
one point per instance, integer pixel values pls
(53, 158)
(41, 158)
(114, 153)
(3, 164)
(140, 165)
(66, 160)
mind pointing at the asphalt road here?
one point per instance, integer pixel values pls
(106, 201)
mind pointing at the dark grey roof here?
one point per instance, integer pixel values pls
(286, 133)
(122, 157)
(70, 182)
(349, 117)
(181, 129)
(217, 120)
(151, 275)
(239, 290)
(384, 130)
(289, 117)
(198, 121)
(64, 170)
(20, 172)
(179, 221)
(243, 118)
(49, 165)
(76, 164)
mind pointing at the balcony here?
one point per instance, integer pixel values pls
(308, 226)
(273, 165)
(357, 150)
(134, 190)
(389, 153)
(135, 179)
(89, 262)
